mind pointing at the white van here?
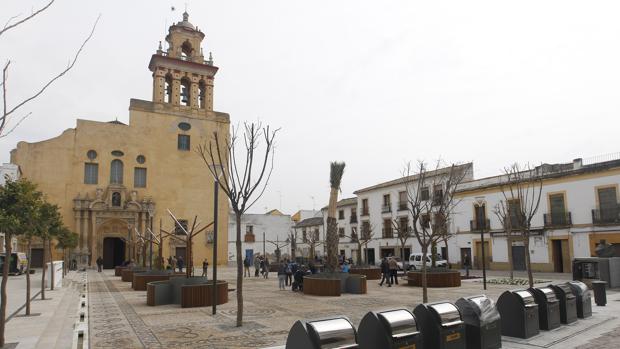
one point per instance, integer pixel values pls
(415, 261)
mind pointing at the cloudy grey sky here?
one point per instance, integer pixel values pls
(373, 83)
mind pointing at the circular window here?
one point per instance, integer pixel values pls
(141, 159)
(185, 126)
(118, 153)
(92, 155)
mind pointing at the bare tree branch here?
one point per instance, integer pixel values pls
(8, 27)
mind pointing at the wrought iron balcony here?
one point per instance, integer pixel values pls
(479, 225)
(353, 219)
(402, 205)
(387, 233)
(364, 211)
(608, 215)
(386, 208)
(558, 219)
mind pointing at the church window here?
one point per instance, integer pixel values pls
(180, 227)
(91, 173)
(140, 159)
(202, 90)
(168, 89)
(183, 142)
(91, 154)
(185, 91)
(117, 153)
(116, 199)
(116, 172)
(185, 126)
(186, 51)
(139, 177)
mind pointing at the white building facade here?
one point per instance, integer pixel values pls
(260, 234)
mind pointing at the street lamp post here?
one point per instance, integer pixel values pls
(485, 226)
(216, 171)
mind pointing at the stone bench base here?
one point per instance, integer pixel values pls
(187, 292)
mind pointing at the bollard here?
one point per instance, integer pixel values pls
(600, 294)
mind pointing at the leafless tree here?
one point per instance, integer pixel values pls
(521, 191)
(292, 239)
(431, 214)
(501, 211)
(403, 233)
(362, 240)
(188, 238)
(244, 163)
(279, 245)
(8, 120)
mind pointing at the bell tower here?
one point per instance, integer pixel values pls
(181, 76)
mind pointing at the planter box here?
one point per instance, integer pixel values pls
(334, 284)
(118, 270)
(187, 292)
(140, 280)
(435, 278)
(371, 273)
(127, 274)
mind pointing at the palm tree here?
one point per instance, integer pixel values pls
(335, 177)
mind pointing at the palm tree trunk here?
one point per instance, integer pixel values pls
(239, 271)
(5, 277)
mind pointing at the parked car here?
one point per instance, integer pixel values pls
(17, 264)
(415, 261)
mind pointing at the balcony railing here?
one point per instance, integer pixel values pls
(364, 211)
(249, 238)
(558, 219)
(387, 233)
(353, 219)
(402, 205)
(608, 215)
(386, 208)
(480, 225)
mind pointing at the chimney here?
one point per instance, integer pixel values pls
(577, 163)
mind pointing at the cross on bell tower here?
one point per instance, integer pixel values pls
(181, 76)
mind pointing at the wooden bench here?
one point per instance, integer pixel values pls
(371, 273)
(140, 280)
(435, 279)
(202, 295)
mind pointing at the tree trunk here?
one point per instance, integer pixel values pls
(433, 254)
(49, 247)
(144, 255)
(28, 277)
(160, 260)
(188, 257)
(528, 264)
(43, 272)
(446, 257)
(332, 244)
(239, 272)
(5, 277)
(424, 289)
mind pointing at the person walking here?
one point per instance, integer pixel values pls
(289, 273)
(282, 276)
(173, 263)
(467, 265)
(266, 268)
(99, 264)
(256, 266)
(345, 267)
(246, 267)
(393, 270)
(385, 271)
(205, 267)
(180, 264)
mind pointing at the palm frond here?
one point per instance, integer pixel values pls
(335, 174)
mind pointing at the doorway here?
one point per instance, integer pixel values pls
(36, 258)
(465, 256)
(180, 252)
(487, 253)
(370, 256)
(113, 252)
(518, 257)
(249, 254)
(558, 266)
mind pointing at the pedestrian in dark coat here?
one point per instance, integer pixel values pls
(385, 271)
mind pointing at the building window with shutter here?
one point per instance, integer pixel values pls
(340, 214)
(183, 142)
(341, 232)
(139, 177)
(91, 173)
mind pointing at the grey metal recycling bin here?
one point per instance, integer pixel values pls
(548, 308)
(584, 298)
(334, 333)
(519, 314)
(568, 302)
(482, 322)
(441, 325)
(392, 329)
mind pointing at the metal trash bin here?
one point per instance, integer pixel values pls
(548, 308)
(482, 322)
(600, 294)
(441, 325)
(519, 314)
(568, 302)
(334, 333)
(584, 298)
(392, 329)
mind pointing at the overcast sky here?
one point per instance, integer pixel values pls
(372, 83)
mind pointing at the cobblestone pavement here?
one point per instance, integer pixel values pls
(608, 340)
(120, 318)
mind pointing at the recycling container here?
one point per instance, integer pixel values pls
(482, 322)
(392, 329)
(333, 333)
(441, 325)
(519, 313)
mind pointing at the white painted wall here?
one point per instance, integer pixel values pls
(275, 228)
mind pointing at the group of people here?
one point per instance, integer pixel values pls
(389, 271)
(175, 262)
(261, 266)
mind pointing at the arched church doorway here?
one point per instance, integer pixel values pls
(113, 252)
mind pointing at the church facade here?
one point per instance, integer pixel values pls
(114, 181)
